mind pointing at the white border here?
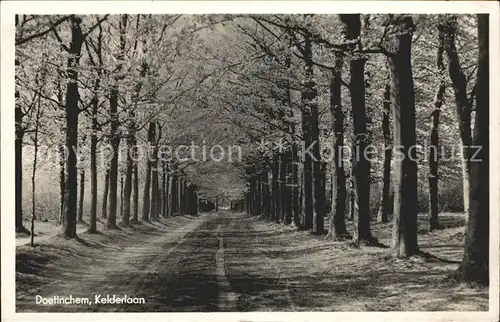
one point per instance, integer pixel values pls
(9, 8)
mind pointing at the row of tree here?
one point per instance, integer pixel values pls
(102, 68)
(279, 191)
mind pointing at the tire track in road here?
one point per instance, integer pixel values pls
(227, 298)
(185, 279)
(138, 281)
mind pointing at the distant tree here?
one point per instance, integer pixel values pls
(105, 194)
(147, 184)
(434, 138)
(386, 180)
(38, 115)
(155, 202)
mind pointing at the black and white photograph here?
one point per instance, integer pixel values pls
(182, 157)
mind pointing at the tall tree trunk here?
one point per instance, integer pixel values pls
(165, 188)
(296, 200)
(173, 195)
(18, 147)
(135, 193)
(361, 166)
(308, 95)
(93, 168)
(292, 190)
(184, 187)
(250, 198)
(93, 140)
(127, 193)
(266, 198)
(69, 219)
(288, 188)
(253, 193)
(147, 184)
(113, 168)
(154, 183)
(338, 207)
(448, 29)
(105, 194)
(19, 167)
(282, 186)
(259, 194)
(114, 133)
(252, 189)
(386, 180)
(121, 194)
(82, 195)
(195, 202)
(62, 181)
(129, 170)
(275, 188)
(302, 203)
(245, 201)
(132, 187)
(352, 198)
(434, 140)
(181, 195)
(33, 174)
(318, 175)
(93, 176)
(82, 185)
(189, 196)
(159, 204)
(154, 192)
(163, 191)
(351, 191)
(475, 263)
(272, 214)
(404, 237)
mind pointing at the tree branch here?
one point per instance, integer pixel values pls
(66, 48)
(98, 23)
(42, 33)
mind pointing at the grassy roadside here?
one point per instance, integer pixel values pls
(324, 275)
(56, 263)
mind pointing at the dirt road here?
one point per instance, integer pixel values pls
(233, 262)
